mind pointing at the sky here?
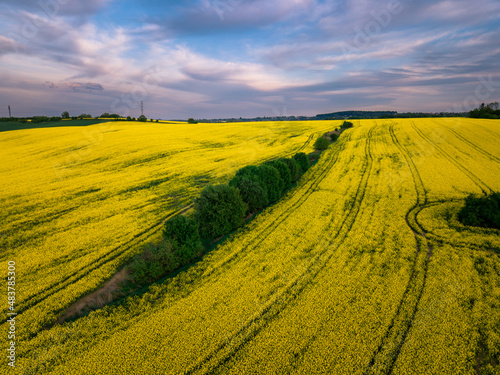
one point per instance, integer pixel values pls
(246, 58)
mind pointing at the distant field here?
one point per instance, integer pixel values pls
(8, 126)
(362, 268)
(78, 201)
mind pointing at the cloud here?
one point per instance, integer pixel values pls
(216, 16)
(50, 85)
(220, 58)
(9, 45)
(78, 86)
(55, 8)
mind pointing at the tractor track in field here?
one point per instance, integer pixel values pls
(445, 240)
(361, 191)
(416, 282)
(262, 234)
(310, 138)
(110, 256)
(251, 328)
(476, 180)
(474, 146)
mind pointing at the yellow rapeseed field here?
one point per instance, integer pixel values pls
(362, 268)
(78, 201)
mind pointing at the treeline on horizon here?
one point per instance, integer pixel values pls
(489, 111)
(368, 115)
(66, 116)
(486, 111)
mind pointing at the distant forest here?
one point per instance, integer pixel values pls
(362, 115)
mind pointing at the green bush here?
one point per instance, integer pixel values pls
(321, 143)
(219, 210)
(347, 125)
(294, 168)
(302, 160)
(248, 170)
(156, 260)
(139, 270)
(252, 191)
(481, 212)
(334, 137)
(183, 232)
(271, 178)
(39, 119)
(284, 172)
(183, 229)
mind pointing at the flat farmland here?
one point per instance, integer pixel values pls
(77, 202)
(362, 268)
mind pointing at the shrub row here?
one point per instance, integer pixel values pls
(217, 212)
(222, 208)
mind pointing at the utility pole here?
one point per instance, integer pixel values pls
(142, 108)
(9, 112)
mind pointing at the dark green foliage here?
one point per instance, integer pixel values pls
(321, 143)
(219, 210)
(334, 137)
(183, 232)
(181, 245)
(270, 177)
(191, 121)
(129, 118)
(65, 114)
(247, 171)
(481, 212)
(284, 172)
(39, 119)
(142, 118)
(347, 125)
(252, 191)
(294, 167)
(156, 260)
(108, 115)
(490, 111)
(303, 161)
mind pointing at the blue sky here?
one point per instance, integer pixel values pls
(232, 58)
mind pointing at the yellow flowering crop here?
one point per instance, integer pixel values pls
(362, 268)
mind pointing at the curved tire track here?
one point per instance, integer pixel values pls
(393, 340)
(99, 262)
(476, 180)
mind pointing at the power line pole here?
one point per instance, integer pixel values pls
(142, 108)
(9, 112)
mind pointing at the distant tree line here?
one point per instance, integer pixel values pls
(367, 115)
(66, 116)
(489, 111)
